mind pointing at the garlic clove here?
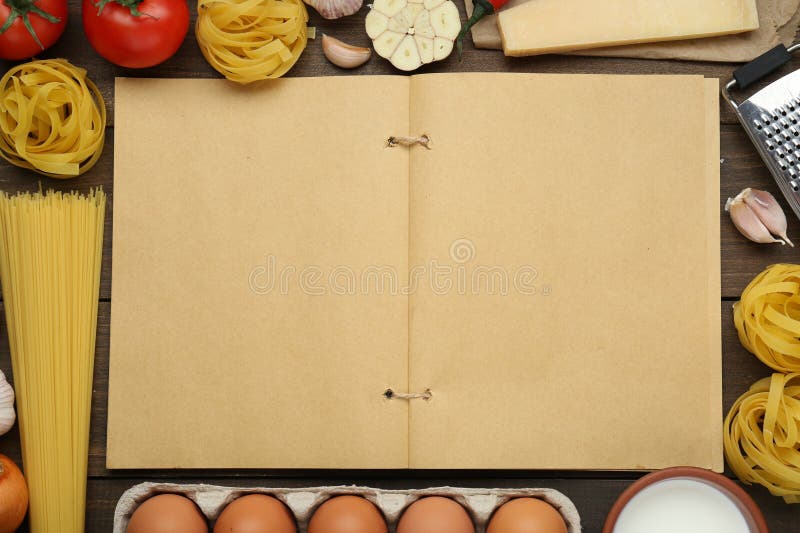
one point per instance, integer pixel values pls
(7, 413)
(768, 210)
(376, 23)
(446, 21)
(342, 54)
(425, 47)
(386, 43)
(422, 25)
(441, 48)
(389, 8)
(406, 57)
(334, 9)
(431, 4)
(747, 222)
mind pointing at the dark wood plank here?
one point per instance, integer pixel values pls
(741, 259)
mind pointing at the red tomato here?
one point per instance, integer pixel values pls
(136, 33)
(47, 18)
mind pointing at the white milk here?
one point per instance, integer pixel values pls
(681, 506)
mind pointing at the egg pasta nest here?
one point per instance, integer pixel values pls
(251, 40)
(767, 317)
(762, 435)
(52, 118)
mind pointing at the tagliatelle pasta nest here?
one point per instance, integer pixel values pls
(762, 436)
(52, 118)
(251, 40)
(767, 317)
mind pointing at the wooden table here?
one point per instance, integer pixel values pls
(592, 492)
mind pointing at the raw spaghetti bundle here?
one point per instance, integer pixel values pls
(762, 436)
(767, 317)
(251, 40)
(50, 252)
(52, 118)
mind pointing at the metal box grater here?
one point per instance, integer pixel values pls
(771, 118)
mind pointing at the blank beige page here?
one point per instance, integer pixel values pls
(570, 215)
(246, 223)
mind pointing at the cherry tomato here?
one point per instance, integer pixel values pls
(28, 27)
(136, 33)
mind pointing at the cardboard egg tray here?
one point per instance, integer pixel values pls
(480, 503)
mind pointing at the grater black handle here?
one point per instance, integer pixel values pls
(764, 64)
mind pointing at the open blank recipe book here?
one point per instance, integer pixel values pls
(537, 287)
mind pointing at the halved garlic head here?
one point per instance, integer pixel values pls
(411, 33)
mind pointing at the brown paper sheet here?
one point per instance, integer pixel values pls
(205, 372)
(581, 374)
(778, 19)
(208, 369)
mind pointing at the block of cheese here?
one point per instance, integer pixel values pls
(547, 26)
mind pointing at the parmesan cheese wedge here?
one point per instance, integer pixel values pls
(547, 26)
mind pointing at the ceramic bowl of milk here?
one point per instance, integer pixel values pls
(685, 500)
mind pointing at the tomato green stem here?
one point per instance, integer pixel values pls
(132, 5)
(22, 9)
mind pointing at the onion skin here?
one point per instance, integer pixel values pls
(13, 496)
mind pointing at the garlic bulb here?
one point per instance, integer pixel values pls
(411, 33)
(7, 413)
(758, 216)
(334, 9)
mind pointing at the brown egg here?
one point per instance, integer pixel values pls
(167, 513)
(527, 515)
(347, 514)
(435, 514)
(255, 513)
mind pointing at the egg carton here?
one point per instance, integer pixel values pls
(211, 499)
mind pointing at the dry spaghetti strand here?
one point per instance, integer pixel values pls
(767, 317)
(50, 252)
(251, 40)
(52, 118)
(762, 435)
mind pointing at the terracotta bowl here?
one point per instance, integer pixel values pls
(749, 509)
